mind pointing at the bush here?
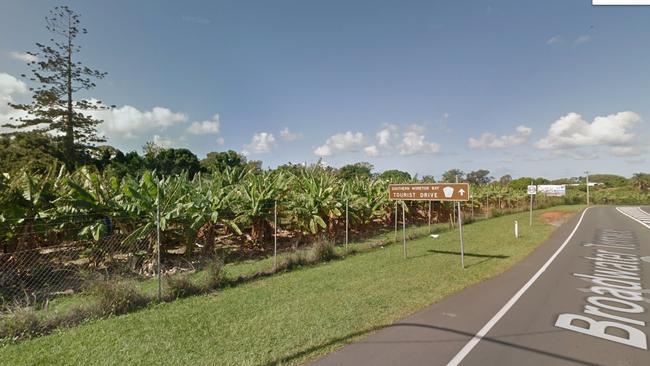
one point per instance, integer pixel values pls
(21, 323)
(294, 260)
(114, 298)
(180, 286)
(322, 251)
(215, 274)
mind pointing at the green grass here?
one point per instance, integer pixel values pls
(295, 316)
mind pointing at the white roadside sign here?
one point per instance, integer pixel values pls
(532, 189)
(552, 190)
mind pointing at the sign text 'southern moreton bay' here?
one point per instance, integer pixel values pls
(429, 192)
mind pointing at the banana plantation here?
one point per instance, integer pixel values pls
(57, 227)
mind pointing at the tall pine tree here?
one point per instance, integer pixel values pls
(59, 76)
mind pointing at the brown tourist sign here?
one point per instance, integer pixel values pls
(429, 192)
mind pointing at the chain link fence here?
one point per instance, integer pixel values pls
(54, 258)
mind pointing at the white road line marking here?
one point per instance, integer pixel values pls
(486, 328)
(644, 219)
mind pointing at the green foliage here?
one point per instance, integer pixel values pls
(641, 181)
(168, 162)
(451, 175)
(219, 161)
(395, 176)
(478, 177)
(35, 150)
(356, 170)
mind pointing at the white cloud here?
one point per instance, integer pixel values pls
(628, 150)
(572, 131)
(388, 136)
(10, 88)
(342, 142)
(287, 135)
(491, 141)
(371, 150)
(554, 40)
(261, 143)
(206, 127)
(11, 85)
(23, 56)
(582, 39)
(128, 121)
(323, 151)
(163, 142)
(414, 142)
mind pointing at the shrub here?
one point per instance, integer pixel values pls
(214, 271)
(322, 251)
(180, 286)
(297, 259)
(21, 323)
(114, 298)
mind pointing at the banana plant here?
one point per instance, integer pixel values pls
(143, 198)
(257, 194)
(208, 206)
(314, 203)
(368, 201)
(28, 197)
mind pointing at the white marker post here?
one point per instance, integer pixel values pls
(516, 229)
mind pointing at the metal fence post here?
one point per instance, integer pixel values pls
(347, 226)
(158, 239)
(275, 234)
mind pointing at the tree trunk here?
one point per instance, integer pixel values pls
(68, 141)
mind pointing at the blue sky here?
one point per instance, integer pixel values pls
(544, 88)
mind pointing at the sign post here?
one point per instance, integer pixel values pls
(453, 192)
(404, 227)
(532, 190)
(460, 231)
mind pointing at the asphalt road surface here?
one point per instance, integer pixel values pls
(581, 298)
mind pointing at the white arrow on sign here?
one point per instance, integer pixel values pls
(462, 192)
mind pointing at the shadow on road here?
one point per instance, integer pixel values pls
(464, 339)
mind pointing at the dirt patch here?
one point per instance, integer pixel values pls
(556, 218)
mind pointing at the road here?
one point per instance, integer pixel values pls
(581, 298)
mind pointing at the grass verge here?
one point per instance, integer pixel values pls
(293, 316)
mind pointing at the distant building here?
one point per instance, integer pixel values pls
(591, 184)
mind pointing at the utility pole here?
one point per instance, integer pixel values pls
(587, 173)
